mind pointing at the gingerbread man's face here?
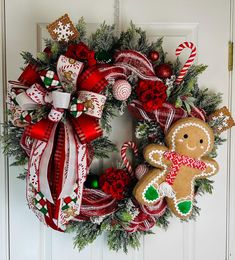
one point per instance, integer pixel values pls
(191, 137)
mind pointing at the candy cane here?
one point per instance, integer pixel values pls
(126, 162)
(188, 62)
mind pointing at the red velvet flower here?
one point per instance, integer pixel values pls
(115, 182)
(81, 52)
(152, 94)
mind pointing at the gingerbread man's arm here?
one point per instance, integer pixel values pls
(211, 169)
(153, 154)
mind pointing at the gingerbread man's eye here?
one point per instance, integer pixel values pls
(185, 136)
(201, 141)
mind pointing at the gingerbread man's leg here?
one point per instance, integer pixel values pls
(146, 191)
(182, 203)
(181, 206)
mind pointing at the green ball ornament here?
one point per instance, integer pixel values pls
(103, 57)
(92, 182)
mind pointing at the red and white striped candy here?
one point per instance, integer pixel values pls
(140, 171)
(190, 60)
(121, 90)
(128, 145)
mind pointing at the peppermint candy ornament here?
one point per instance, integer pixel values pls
(121, 90)
(140, 171)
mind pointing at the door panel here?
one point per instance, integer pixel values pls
(204, 22)
(195, 21)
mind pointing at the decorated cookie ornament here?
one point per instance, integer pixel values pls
(178, 165)
(63, 30)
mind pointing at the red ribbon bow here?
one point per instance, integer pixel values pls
(59, 156)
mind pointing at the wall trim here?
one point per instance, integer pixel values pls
(4, 175)
(230, 184)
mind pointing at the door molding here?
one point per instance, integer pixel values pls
(230, 184)
(4, 176)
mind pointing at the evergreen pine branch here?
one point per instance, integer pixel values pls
(111, 109)
(81, 27)
(163, 221)
(203, 186)
(103, 147)
(103, 39)
(207, 100)
(119, 239)
(23, 175)
(194, 71)
(86, 233)
(28, 58)
(10, 140)
(135, 39)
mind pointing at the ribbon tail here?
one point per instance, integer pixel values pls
(74, 175)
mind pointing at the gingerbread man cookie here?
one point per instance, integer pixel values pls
(177, 165)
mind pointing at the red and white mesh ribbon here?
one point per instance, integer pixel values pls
(147, 217)
(133, 61)
(165, 116)
(96, 203)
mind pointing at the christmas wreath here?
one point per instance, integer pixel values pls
(60, 119)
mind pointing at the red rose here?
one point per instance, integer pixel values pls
(151, 93)
(81, 52)
(115, 182)
(71, 51)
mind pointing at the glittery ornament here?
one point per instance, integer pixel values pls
(154, 55)
(163, 71)
(92, 181)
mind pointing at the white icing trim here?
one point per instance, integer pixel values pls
(154, 181)
(191, 196)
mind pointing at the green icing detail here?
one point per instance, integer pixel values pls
(185, 206)
(151, 193)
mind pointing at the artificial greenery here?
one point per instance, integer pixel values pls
(186, 95)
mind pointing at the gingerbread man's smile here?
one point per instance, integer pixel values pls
(191, 148)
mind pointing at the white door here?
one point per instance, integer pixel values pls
(209, 25)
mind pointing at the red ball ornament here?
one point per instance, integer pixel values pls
(154, 55)
(163, 71)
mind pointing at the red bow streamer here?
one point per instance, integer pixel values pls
(165, 116)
